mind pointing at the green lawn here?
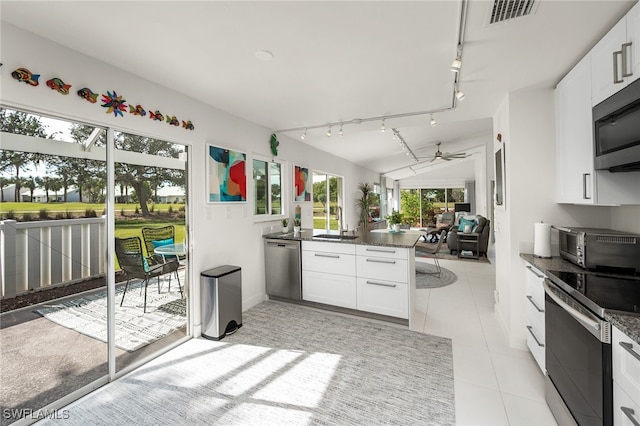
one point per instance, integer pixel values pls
(34, 208)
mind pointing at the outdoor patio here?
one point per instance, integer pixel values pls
(42, 361)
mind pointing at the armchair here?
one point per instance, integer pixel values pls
(482, 229)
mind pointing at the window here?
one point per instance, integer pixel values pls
(267, 188)
(327, 202)
(420, 207)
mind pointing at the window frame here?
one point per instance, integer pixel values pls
(267, 217)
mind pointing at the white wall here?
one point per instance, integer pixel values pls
(526, 121)
(220, 234)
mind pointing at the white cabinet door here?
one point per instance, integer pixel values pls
(383, 297)
(626, 363)
(626, 411)
(633, 36)
(575, 178)
(535, 314)
(331, 289)
(606, 63)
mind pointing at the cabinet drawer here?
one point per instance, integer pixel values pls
(337, 290)
(624, 408)
(536, 347)
(383, 297)
(335, 263)
(339, 248)
(534, 279)
(536, 320)
(378, 251)
(382, 268)
(626, 364)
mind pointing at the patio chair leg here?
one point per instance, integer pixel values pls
(125, 291)
(158, 284)
(146, 283)
(179, 286)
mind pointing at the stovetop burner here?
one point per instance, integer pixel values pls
(607, 292)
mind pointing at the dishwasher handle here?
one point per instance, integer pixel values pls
(289, 246)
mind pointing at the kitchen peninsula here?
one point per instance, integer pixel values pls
(369, 274)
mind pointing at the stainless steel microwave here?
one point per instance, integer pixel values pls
(600, 249)
(616, 132)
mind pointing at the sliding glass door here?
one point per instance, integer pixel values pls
(70, 192)
(327, 202)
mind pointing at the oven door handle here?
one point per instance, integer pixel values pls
(582, 318)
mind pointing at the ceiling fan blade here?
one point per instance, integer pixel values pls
(446, 158)
(433, 159)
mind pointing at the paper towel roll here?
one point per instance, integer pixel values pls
(542, 240)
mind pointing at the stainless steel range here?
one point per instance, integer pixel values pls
(579, 388)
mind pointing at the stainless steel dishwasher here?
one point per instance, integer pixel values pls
(282, 268)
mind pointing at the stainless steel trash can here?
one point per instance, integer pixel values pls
(221, 301)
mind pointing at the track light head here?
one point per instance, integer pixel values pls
(329, 132)
(456, 64)
(382, 127)
(433, 121)
(304, 135)
(341, 133)
(459, 95)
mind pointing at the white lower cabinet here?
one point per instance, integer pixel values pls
(535, 314)
(626, 379)
(331, 289)
(383, 297)
(367, 278)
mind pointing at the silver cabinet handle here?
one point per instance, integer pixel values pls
(625, 64)
(616, 80)
(391, 262)
(629, 348)
(333, 256)
(534, 304)
(380, 250)
(630, 415)
(584, 186)
(529, 267)
(381, 284)
(534, 336)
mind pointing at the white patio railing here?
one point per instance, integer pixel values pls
(44, 254)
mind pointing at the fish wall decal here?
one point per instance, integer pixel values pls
(156, 116)
(23, 74)
(173, 120)
(137, 110)
(86, 94)
(58, 85)
(188, 125)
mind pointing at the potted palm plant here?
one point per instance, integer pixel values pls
(364, 203)
(394, 219)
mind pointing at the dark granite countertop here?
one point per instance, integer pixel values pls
(404, 240)
(629, 324)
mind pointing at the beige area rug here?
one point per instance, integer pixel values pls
(166, 313)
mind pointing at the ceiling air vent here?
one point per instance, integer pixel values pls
(503, 10)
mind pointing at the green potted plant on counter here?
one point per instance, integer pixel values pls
(285, 225)
(296, 225)
(394, 219)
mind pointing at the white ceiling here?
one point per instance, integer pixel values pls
(334, 61)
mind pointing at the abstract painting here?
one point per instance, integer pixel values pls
(301, 184)
(226, 175)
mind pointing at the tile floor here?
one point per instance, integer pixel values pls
(494, 384)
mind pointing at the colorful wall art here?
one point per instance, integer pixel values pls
(301, 184)
(226, 174)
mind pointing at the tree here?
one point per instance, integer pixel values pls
(3, 182)
(19, 123)
(410, 205)
(30, 183)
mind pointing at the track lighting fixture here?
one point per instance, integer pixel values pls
(341, 133)
(329, 132)
(404, 145)
(382, 127)
(459, 95)
(457, 62)
(304, 135)
(433, 121)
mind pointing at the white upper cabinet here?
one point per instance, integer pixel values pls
(615, 60)
(575, 176)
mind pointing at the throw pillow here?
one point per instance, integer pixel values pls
(159, 243)
(482, 221)
(464, 222)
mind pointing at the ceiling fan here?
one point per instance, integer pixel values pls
(446, 156)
